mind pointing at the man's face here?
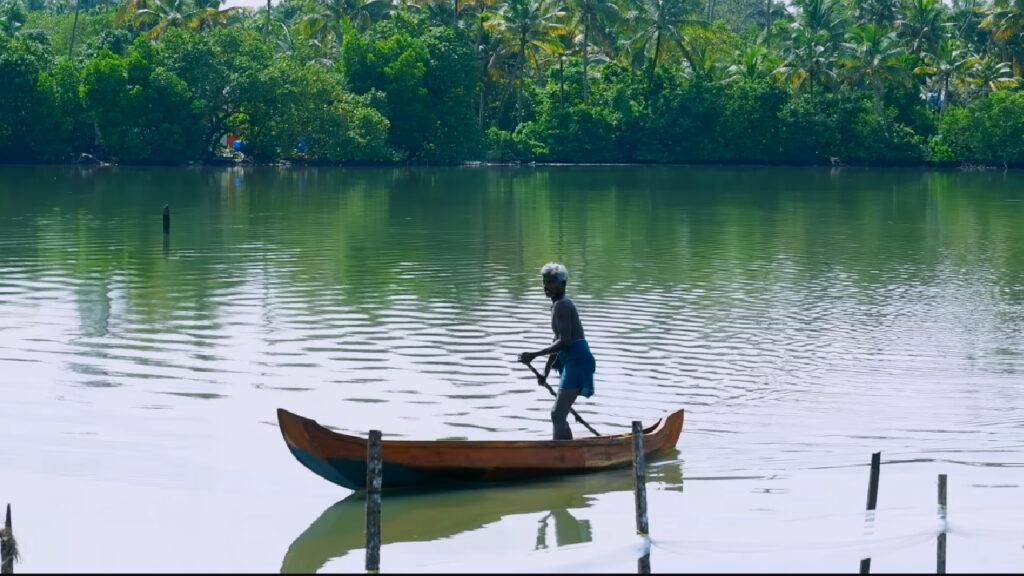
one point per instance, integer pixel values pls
(552, 288)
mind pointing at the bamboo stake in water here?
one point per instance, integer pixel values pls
(8, 546)
(940, 567)
(167, 219)
(374, 483)
(876, 463)
(639, 488)
(643, 564)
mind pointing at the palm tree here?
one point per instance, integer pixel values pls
(526, 26)
(460, 7)
(750, 63)
(704, 52)
(594, 17)
(491, 57)
(559, 48)
(1006, 20)
(12, 17)
(772, 10)
(966, 19)
(988, 74)
(875, 57)
(325, 23)
(943, 63)
(658, 20)
(160, 15)
(74, 28)
(126, 13)
(924, 24)
(283, 43)
(266, 24)
(208, 13)
(811, 53)
(878, 12)
(441, 12)
(437, 12)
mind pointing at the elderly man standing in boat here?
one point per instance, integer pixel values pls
(569, 353)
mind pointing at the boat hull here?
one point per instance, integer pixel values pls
(341, 458)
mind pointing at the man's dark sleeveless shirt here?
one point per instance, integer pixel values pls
(565, 321)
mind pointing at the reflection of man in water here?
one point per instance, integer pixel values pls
(568, 530)
(569, 353)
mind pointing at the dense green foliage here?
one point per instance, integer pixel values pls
(659, 81)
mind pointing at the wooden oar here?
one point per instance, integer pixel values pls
(544, 382)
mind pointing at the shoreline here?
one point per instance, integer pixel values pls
(940, 166)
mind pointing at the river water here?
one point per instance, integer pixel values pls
(804, 318)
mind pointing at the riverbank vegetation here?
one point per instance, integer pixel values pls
(659, 81)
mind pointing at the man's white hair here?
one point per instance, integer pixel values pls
(555, 271)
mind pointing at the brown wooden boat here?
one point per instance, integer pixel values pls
(341, 458)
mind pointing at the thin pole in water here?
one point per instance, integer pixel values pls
(640, 488)
(643, 564)
(374, 483)
(876, 464)
(167, 218)
(940, 567)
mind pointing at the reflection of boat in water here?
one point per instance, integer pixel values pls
(568, 529)
(423, 516)
(341, 458)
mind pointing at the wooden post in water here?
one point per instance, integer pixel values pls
(643, 564)
(8, 547)
(374, 483)
(940, 565)
(167, 219)
(872, 500)
(640, 488)
(876, 464)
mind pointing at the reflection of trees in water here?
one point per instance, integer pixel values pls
(356, 237)
(92, 299)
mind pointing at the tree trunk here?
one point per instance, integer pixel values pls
(561, 83)
(522, 76)
(483, 78)
(586, 45)
(74, 29)
(945, 94)
(480, 109)
(266, 28)
(654, 62)
(880, 106)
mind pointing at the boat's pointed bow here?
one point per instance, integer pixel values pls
(293, 429)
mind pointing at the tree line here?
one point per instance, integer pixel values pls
(448, 81)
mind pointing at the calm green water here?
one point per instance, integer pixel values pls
(804, 318)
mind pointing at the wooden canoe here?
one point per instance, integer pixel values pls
(341, 458)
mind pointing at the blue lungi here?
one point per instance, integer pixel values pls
(576, 365)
